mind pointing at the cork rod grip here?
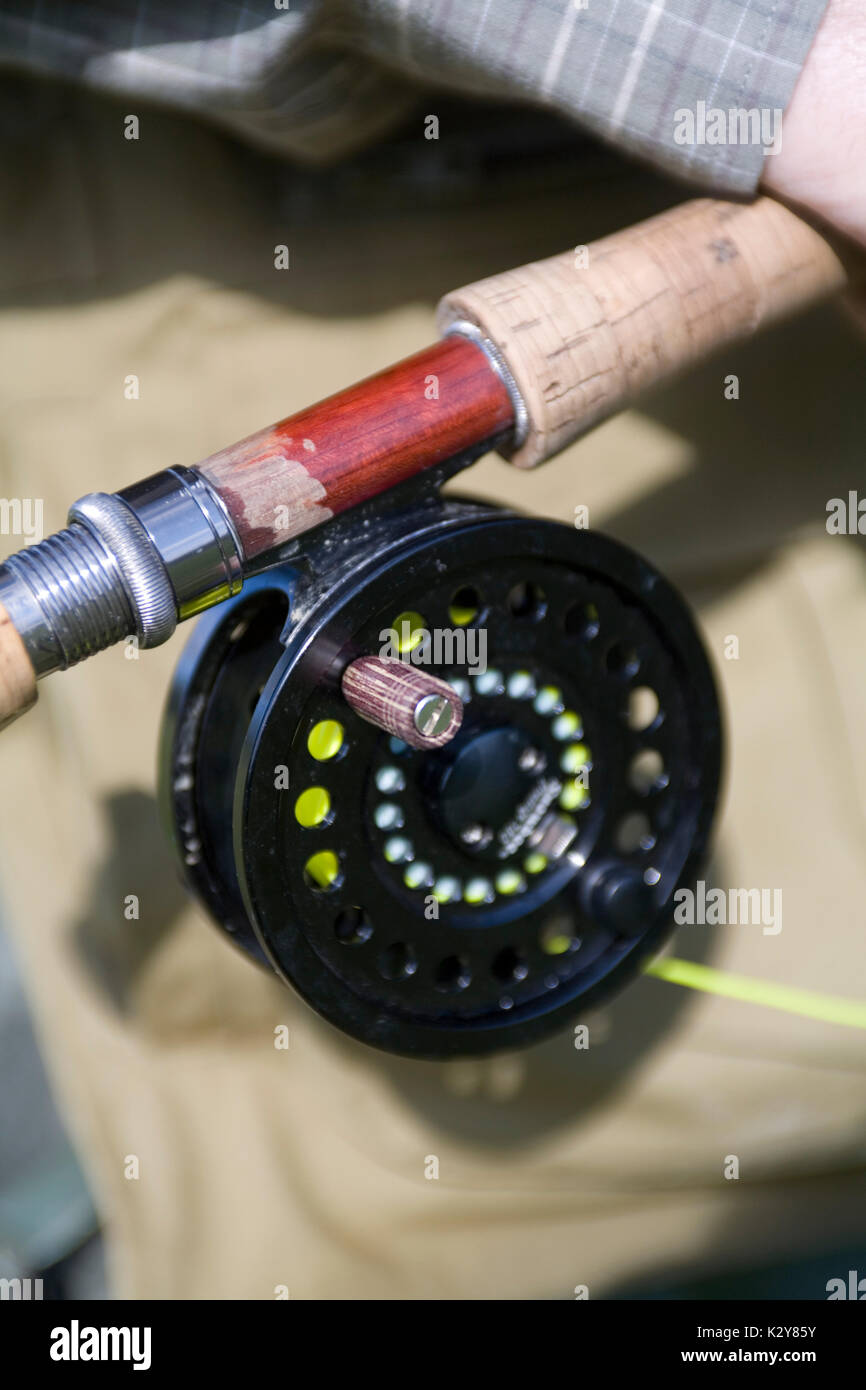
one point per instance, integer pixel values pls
(585, 332)
(17, 678)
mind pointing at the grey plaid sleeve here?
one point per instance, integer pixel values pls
(695, 87)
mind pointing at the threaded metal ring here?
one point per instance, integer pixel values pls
(66, 598)
(143, 573)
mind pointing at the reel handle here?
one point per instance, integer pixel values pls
(584, 334)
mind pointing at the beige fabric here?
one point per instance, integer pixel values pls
(306, 1168)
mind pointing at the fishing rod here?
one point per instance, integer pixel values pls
(533, 357)
(450, 852)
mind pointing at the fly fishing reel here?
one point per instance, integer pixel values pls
(480, 890)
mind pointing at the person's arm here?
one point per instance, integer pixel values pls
(821, 166)
(696, 88)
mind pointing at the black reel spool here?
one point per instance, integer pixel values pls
(482, 895)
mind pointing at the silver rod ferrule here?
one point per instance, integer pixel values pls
(192, 532)
(133, 562)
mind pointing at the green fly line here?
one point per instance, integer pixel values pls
(828, 1008)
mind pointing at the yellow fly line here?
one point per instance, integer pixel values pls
(828, 1008)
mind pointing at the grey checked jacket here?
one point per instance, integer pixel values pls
(318, 78)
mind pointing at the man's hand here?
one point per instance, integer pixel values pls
(822, 163)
